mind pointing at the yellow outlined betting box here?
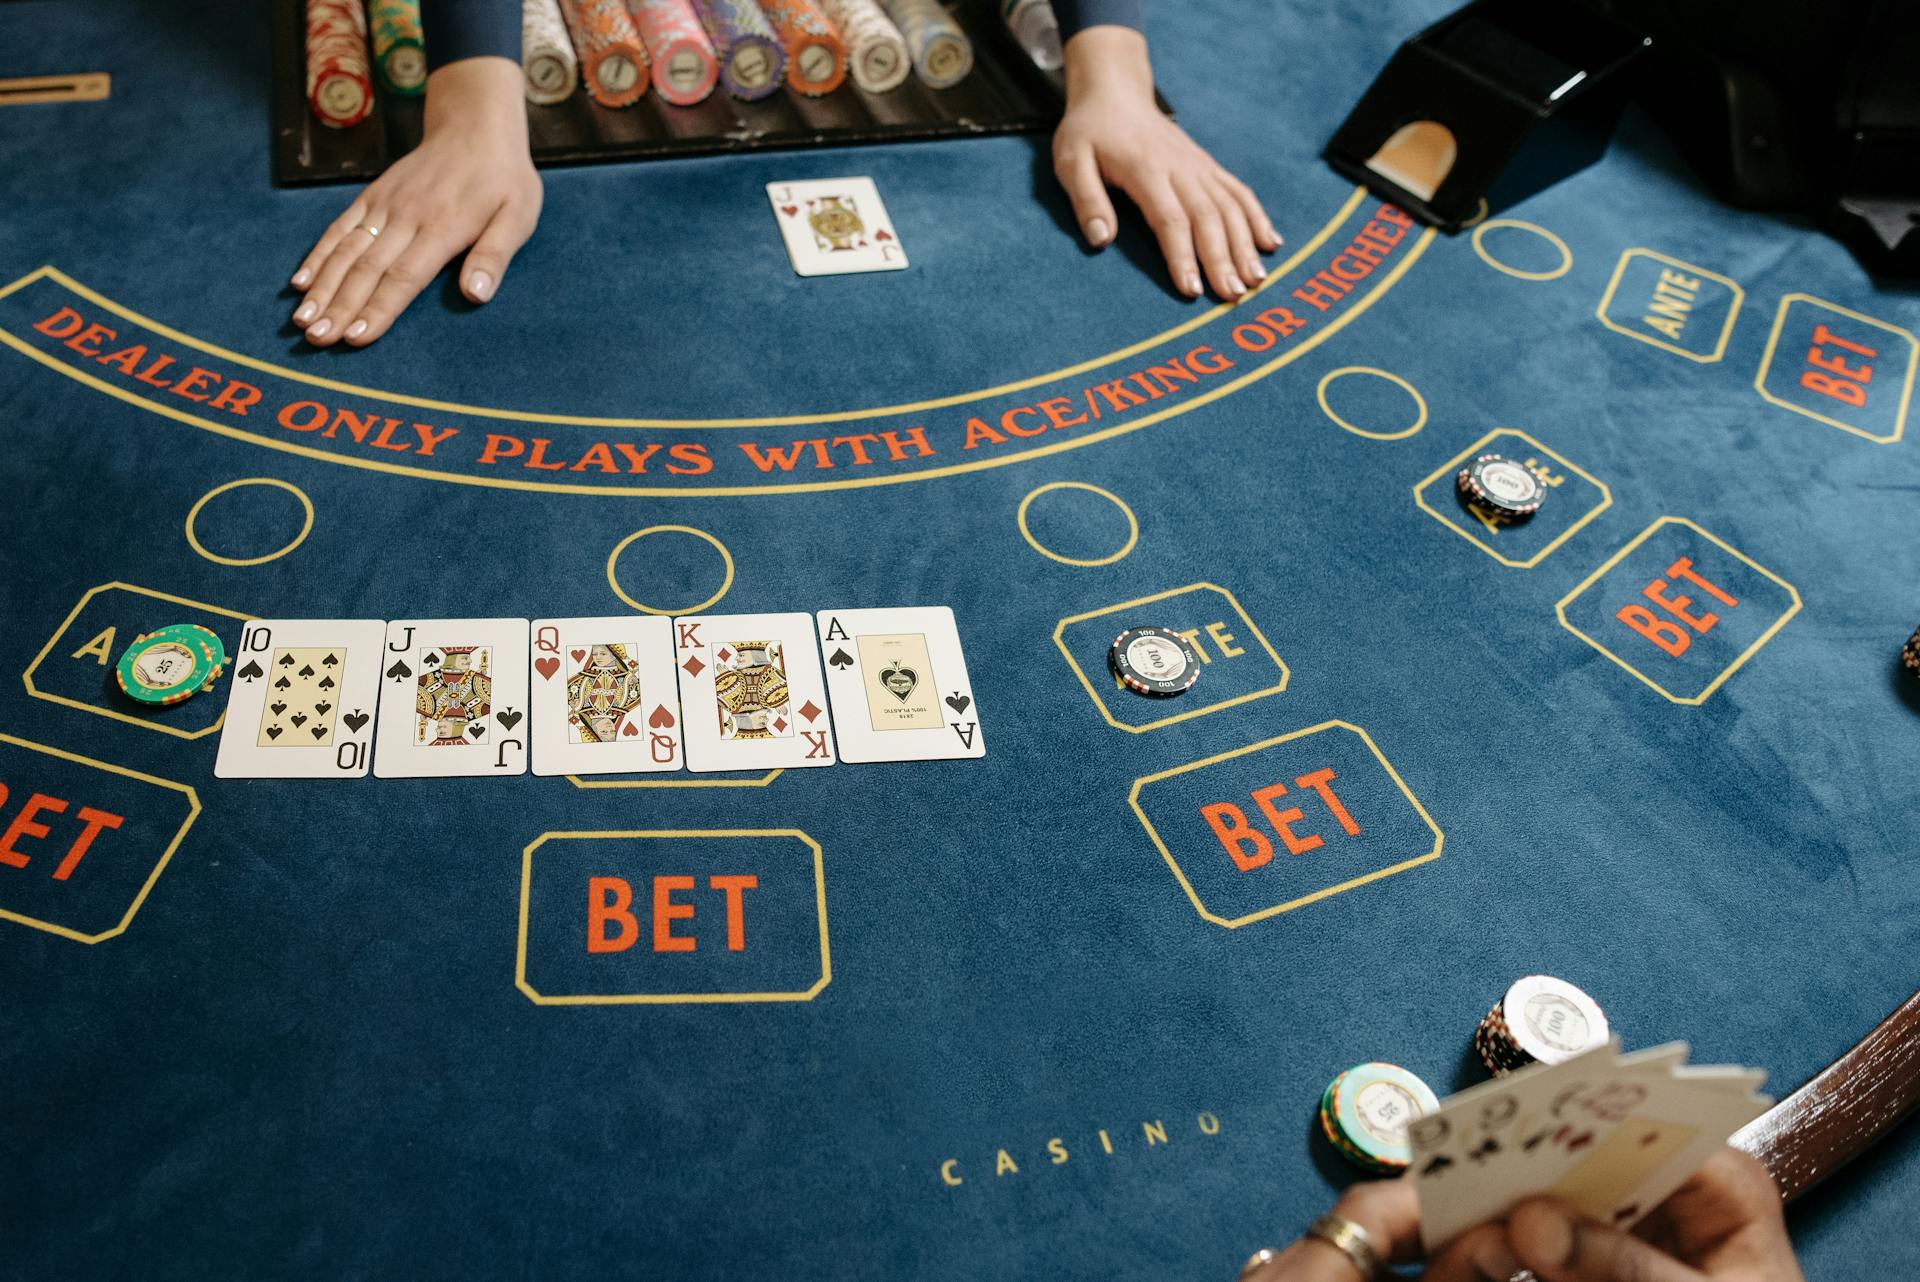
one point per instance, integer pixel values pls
(1718, 678)
(1886, 397)
(197, 717)
(1691, 299)
(22, 790)
(542, 997)
(1451, 514)
(1101, 689)
(1365, 814)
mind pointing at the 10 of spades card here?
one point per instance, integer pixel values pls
(453, 698)
(836, 226)
(605, 699)
(302, 700)
(751, 692)
(899, 685)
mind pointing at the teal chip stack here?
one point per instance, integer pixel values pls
(170, 664)
(1365, 1113)
(399, 45)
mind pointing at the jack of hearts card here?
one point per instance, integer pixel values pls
(899, 685)
(302, 700)
(605, 699)
(836, 226)
(751, 691)
(453, 699)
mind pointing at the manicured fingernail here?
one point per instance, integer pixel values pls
(1234, 287)
(1259, 271)
(320, 330)
(1097, 231)
(356, 329)
(305, 314)
(1192, 283)
(301, 277)
(1494, 1260)
(480, 286)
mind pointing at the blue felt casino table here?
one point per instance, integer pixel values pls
(1065, 1011)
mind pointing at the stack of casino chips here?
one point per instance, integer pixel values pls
(1365, 1113)
(165, 666)
(752, 58)
(1540, 1020)
(546, 55)
(339, 79)
(876, 51)
(685, 66)
(816, 57)
(613, 61)
(942, 54)
(399, 50)
(1500, 489)
(1157, 662)
(1910, 653)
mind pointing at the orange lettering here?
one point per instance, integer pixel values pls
(1235, 833)
(1837, 388)
(23, 826)
(736, 910)
(1668, 636)
(666, 912)
(1283, 820)
(1318, 781)
(608, 899)
(95, 821)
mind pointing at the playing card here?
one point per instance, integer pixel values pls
(301, 700)
(453, 699)
(751, 694)
(899, 685)
(1612, 1135)
(604, 699)
(836, 226)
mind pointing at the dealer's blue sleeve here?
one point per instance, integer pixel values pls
(457, 29)
(1077, 15)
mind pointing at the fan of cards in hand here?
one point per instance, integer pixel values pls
(1611, 1135)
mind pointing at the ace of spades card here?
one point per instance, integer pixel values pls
(899, 685)
(453, 699)
(835, 227)
(302, 699)
(605, 699)
(751, 692)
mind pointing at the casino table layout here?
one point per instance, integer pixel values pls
(1064, 1011)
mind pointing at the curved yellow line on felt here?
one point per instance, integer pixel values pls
(786, 420)
(814, 487)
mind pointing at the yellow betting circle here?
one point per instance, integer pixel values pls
(193, 514)
(1480, 248)
(1133, 524)
(1480, 215)
(1419, 421)
(613, 558)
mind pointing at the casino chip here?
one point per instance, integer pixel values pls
(1365, 1113)
(171, 664)
(1910, 653)
(1500, 488)
(1541, 1020)
(1154, 661)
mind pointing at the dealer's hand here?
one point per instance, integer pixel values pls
(470, 185)
(1723, 1225)
(1113, 135)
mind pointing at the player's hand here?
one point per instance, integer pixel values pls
(1113, 135)
(470, 185)
(1723, 1225)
